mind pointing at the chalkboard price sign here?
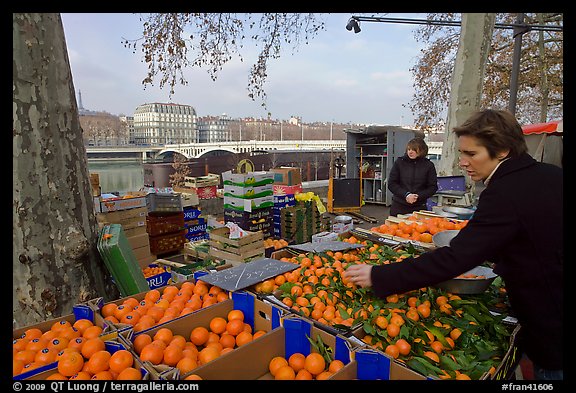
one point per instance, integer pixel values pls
(247, 274)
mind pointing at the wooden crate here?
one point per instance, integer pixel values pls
(202, 181)
(236, 251)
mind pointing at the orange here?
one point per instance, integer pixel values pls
(314, 363)
(26, 356)
(153, 353)
(199, 335)
(324, 375)
(130, 374)
(193, 377)
(103, 376)
(152, 295)
(275, 364)
(91, 346)
(186, 365)
(172, 355)
(424, 310)
(32, 333)
(207, 354)
(99, 361)
(81, 376)
(218, 325)
(403, 347)
(304, 375)
(432, 355)
(285, 373)
(258, 333)
(70, 363)
(92, 331)
(164, 334)
(393, 330)
(58, 343)
(455, 334)
(335, 366)
(392, 350)
(60, 324)
(437, 346)
(296, 361)
(17, 366)
(120, 360)
(45, 356)
(36, 344)
(82, 324)
(69, 333)
(19, 344)
(179, 340)
(108, 309)
(141, 341)
(243, 337)
(227, 341)
(235, 326)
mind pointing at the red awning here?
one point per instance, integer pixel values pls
(554, 126)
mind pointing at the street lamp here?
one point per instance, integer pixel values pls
(353, 24)
(519, 28)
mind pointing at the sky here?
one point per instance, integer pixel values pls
(339, 76)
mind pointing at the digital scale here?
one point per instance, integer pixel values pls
(453, 198)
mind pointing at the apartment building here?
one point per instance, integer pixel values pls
(162, 123)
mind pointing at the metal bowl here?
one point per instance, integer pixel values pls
(462, 213)
(469, 286)
(443, 238)
(446, 214)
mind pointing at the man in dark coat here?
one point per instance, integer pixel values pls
(518, 225)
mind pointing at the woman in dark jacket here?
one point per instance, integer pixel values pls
(412, 179)
(518, 225)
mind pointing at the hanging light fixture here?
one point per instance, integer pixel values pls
(353, 24)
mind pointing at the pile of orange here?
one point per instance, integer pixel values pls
(73, 347)
(203, 344)
(150, 271)
(417, 229)
(276, 243)
(164, 304)
(303, 367)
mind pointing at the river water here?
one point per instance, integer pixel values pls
(121, 176)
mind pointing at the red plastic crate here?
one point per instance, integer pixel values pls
(167, 243)
(165, 223)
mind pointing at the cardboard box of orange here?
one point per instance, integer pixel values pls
(112, 344)
(258, 314)
(88, 310)
(375, 364)
(251, 361)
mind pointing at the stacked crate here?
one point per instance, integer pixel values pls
(165, 223)
(195, 225)
(236, 251)
(133, 222)
(205, 186)
(280, 202)
(302, 221)
(248, 200)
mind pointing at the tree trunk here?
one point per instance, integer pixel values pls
(466, 88)
(55, 261)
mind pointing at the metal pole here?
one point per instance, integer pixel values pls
(518, 31)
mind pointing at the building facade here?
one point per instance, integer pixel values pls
(161, 123)
(214, 129)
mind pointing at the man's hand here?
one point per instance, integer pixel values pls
(359, 275)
